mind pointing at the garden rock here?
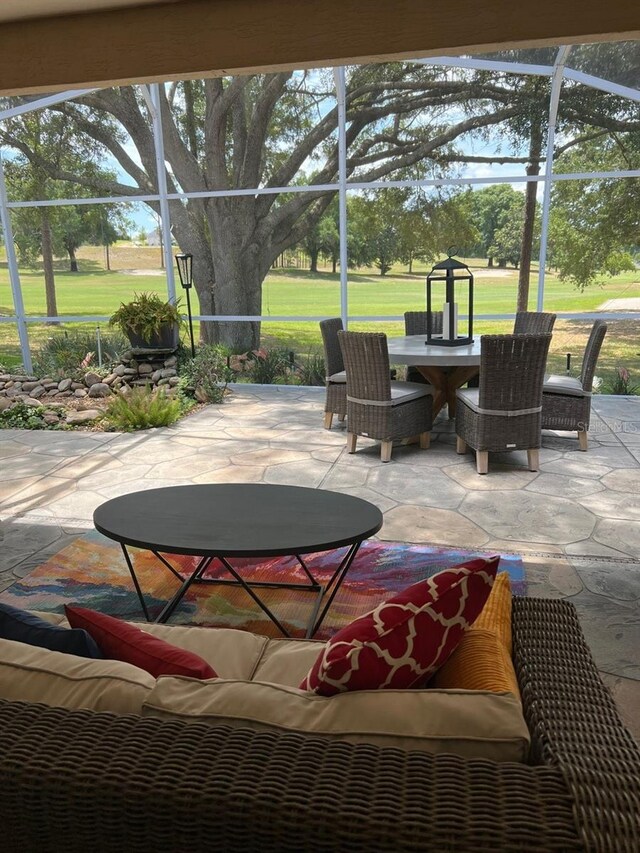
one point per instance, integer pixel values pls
(29, 401)
(76, 385)
(91, 379)
(144, 369)
(27, 386)
(5, 403)
(110, 379)
(120, 370)
(83, 417)
(80, 392)
(38, 391)
(171, 361)
(99, 389)
(51, 418)
(64, 385)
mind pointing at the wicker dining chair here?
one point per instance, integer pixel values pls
(415, 323)
(378, 407)
(566, 400)
(335, 376)
(505, 412)
(533, 323)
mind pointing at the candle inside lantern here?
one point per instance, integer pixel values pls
(447, 333)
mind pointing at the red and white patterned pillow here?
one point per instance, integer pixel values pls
(404, 640)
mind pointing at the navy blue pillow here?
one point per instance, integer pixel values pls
(23, 627)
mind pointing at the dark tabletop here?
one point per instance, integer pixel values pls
(237, 520)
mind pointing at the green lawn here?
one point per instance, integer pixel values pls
(94, 291)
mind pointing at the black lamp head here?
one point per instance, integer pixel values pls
(185, 270)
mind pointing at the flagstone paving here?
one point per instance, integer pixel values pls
(576, 522)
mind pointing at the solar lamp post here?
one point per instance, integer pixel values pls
(185, 272)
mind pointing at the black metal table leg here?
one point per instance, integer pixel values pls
(336, 582)
(135, 581)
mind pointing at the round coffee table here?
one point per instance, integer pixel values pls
(219, 522)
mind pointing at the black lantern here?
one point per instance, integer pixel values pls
(454, 274)
(185, 271)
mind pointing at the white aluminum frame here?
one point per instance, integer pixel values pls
(557, 72)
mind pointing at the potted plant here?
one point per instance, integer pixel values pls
(148, 321)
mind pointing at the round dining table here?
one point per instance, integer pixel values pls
(445, 368)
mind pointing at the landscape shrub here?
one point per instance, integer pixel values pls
(142, 408)
(311, 371)
(73, 352)
(269, 367)
(622, 384)
(21, 416)
(207, 374)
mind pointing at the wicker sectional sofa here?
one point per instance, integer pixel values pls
(87, 781)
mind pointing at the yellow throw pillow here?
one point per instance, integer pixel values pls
(482, 661)
(496, 614)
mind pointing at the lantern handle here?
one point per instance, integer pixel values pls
(452, 250)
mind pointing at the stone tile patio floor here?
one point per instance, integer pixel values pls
(576, 522)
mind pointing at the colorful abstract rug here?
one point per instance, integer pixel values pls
(91, 572)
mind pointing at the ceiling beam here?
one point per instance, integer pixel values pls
(200, 38)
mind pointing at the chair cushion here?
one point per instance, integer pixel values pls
(567, 385)
(403, 392)
(482, 661)
(24, 627)
(474, 725)
(121, 641)
(470, 396)
(404, 640)
(32, 674)
(338, 378)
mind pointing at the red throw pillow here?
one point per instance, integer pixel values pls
(405, 639)
(119, 641)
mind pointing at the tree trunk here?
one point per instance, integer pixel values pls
(313, 257)
(190, 117)
(107, 256)
(334, 264)
(228, 280)
(410, 263)
(490, 262)
(528, 224)
(47, 262)
(73, 261)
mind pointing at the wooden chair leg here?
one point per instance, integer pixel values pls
(425, 440)
(482, 461)
(461, 445)
(328, 420)
(583, 438)
(533, 458)
(352, 438)
(342, 418)
(385, 451)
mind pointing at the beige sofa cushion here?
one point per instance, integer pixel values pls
(232, 653)
(287, 661)
(32, 674)
(472, 724)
